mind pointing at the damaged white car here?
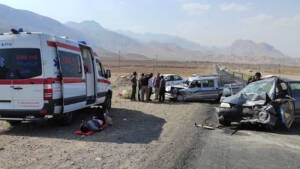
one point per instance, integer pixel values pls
(201, 88)
(269, 102)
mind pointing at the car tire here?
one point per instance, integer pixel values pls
(180, 98)
(224, 121)
(218, 99)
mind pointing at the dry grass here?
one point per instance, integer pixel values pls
(275, 69)
(183, 68)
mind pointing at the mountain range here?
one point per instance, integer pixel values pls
(137, 45)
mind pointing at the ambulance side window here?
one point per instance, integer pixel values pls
(70, 64)
(99, 68)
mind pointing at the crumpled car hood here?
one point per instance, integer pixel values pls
(248, 99)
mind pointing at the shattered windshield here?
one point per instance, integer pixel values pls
(259, 87)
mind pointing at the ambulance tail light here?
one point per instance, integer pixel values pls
(48, 90)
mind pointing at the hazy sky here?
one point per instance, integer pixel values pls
(208, 22)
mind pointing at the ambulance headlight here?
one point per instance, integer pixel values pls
(225, 105)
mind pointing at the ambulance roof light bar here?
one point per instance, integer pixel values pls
(82, 42)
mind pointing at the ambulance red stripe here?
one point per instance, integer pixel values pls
(104, 81)
(39, 81)
(63, 45)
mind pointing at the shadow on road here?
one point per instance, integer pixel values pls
(129, 126)
(294, 130)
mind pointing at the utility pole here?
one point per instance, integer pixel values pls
(156, 62)
(279, 70)
(153, 63)
(119, 60)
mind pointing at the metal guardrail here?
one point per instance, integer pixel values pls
(243, 76)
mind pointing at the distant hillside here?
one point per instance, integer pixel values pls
(163, 38)
(107, 39)
(249, 48)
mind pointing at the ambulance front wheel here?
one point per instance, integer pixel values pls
(107, 103)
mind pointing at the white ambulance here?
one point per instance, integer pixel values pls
(44, 76)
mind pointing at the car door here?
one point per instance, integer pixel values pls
(295, 91)
(102, 82)
(194, 91)
(74, 86)
(5, 83)
(208, 90)
(27, 82)
(169, 80)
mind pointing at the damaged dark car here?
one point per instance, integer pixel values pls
(270, 102)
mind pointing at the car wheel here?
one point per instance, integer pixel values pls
(224, 121)
(180, 98)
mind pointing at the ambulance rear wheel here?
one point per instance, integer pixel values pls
(14, 123)
(65, 119)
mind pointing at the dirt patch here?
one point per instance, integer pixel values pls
(140, 131)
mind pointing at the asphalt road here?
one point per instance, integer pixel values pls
(246, 148)
(236, 148)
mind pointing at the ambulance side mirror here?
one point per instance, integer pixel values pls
(107, 74)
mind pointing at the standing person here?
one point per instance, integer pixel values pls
(156, 83)
(150, 86)
(140, 86)
(162, 89)
(144, 82)
(133, 84)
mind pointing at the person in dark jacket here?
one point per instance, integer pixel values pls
(140, 86)
(162, 89)
(133, 84)
(145, 89)
(255, 78)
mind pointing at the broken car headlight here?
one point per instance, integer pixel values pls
(225, 105)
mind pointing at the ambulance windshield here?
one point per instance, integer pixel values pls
(20, 63)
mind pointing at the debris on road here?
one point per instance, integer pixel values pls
(205, 126)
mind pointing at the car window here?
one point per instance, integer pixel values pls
(20, 63)
(258, 87)
(195, 83)
(295, 87)
(176, 77)
(70, 64)
(99, 68)
(208, 83)
(169, 78)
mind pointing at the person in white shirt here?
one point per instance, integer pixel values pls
(150, 86)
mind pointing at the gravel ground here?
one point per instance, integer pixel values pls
(144, 135)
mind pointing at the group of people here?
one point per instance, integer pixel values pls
(146, 84)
